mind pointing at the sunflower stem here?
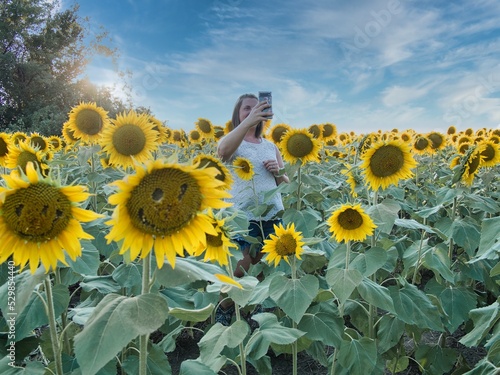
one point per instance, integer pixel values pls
(238, 318)
(143, 339)
(64, 318)
(347, 254)
(56, 349)
(294, 324)
(422, 236)
(299, 181)
(453, 214)
(93, 184)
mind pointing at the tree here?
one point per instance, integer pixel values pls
(43, 52)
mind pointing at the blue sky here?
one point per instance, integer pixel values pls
(363, 65)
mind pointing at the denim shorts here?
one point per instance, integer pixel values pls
(255, 232)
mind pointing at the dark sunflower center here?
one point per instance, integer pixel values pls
(473, 163)
(214, 241)
(195, 135)
(245, 167)
(25, 157)
(89, 121)
(18, 138)
(327, 130)
(278, 133)
(421, 144)
(164, 202)
(204, 126)
(4, 147)
(37, 213)
(350, 219)
(38, 142)
(286, 245)
(299, 145)
(210, 163)
(463, 148)
(55, 142)
(315, 130)
(386, 161)
(129, 139)
(436, 140)
(488, 153)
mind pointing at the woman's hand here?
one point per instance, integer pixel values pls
(272, 166)
(257, 115)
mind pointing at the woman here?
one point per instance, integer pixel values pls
(245, 140)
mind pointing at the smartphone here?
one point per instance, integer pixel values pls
(266, 96)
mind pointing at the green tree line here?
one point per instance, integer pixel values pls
(44, 51)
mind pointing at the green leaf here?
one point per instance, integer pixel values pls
(413, 224)
(384, 214)
(157, 362)
(193, 366)
(343, 282)
(466, 234)
(294, 296)
(114, 323)
(370, 262)
(389, 331)
(88, 263)
(484, 319)
(397, 364)
(457, 302)
(375, 294)
(305, 221)
(219, 336)
(128, 275)
(489, 238)
(199, 315)
(324, 326)
(186, 271)
(23, 284)
(435, 360)
(426, 212)
(414, 307)
(242, 296)
(269, 331)
(437, 260)
(359, 357)
(103, 284)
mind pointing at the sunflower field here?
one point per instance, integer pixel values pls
(116, 238)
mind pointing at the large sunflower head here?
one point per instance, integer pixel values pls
(491, 153)
(284, 243)
(329, 131)
(130, 139)
(4, 148)
(299, 144)
(471, 163)
(421, 144)
(161, 208)
(218, 245)
(243, 168)
(385, 163)
(40, 221)
(68, 135)
(207, 161)
(19, 156)
(350, 223)
(160, 128)
(87, 121)
(438, 141)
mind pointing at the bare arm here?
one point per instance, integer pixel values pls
(283, 177)
(230, 143)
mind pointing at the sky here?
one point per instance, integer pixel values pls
(363, 65)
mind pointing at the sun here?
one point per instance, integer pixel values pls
(40, 221)
(162, 206)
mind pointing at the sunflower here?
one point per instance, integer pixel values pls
(451, 130)
(243, 168)
(205, 128)
(195, 137)
(204, 160)
(4, 148)
(438, 140)
(351, 179)
(218, 132)
(278, 131)
(386, 163)
(39, 142)
(179, 137)
(17, 137)
(87, 121)
(471, 164)
(161, 208)
(329, 131)
(19, 156)
(284, 243)
(350, 223)
(463, 147)
(491, 154)
(160, 128)
(300, 144)
(55, 143)
(129, 139)
(217, 246)
(68, 135)
(40, 221)
(420, 144)
(316, 131)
